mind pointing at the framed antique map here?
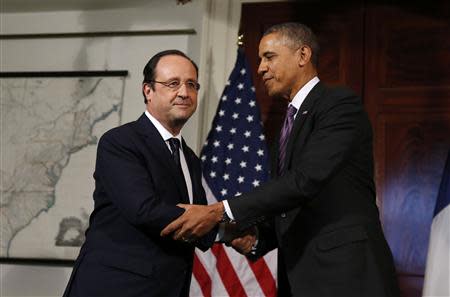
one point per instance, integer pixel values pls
(50, 124)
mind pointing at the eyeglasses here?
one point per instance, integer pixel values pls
(176, 84)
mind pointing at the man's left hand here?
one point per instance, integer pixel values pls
(195, 222)
(244, 244)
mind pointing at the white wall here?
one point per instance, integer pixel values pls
(116, 53)
(99, 53)
(213, 47)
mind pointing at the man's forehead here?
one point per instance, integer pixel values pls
(173, 59)
(273, 42)
(174, 65)
(268, 42)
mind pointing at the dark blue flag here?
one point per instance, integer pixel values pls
(234, 157)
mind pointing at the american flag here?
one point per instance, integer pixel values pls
(234, 161)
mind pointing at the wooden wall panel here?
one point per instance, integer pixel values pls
(340, 32)
(407, 58)
(407, 96)
(415, 147)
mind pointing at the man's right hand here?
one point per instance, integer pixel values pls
(196, 221)
(245, 243)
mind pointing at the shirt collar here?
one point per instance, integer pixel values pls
(165, 134)
(303, 92)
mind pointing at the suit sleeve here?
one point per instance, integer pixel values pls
(129, 185)
(337, 126)
(267, 240)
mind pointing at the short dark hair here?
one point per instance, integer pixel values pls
(298, 35)
(150, 68)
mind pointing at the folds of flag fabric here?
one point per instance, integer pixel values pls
(234, 161)
(437, 275)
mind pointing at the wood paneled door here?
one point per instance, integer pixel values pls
(407, 95)
(340, 34)
(397, 57)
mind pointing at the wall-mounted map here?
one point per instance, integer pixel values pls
(50, 125)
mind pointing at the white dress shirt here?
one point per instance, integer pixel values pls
(166, 135)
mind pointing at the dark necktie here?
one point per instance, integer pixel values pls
(175, 147)
(284, 137)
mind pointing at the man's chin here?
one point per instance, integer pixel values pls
(181, 119)
(272, 93)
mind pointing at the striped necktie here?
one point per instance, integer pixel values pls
(284, 137)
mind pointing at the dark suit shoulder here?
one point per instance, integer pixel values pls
(332, 97)
(118, 131)
(339, 93)
(123, 137)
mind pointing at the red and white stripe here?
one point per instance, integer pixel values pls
(221, 271)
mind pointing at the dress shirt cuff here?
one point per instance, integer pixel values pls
(228, 209)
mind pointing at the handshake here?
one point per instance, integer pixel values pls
(197, 220)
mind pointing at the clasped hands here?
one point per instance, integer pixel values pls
(197, 220)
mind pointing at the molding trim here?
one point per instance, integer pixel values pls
(38, 262)
(64, 73)
(98, 34)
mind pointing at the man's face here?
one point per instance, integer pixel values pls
(279, 66)
(172, 107)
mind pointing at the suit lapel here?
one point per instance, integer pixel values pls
(156, 144)
(303, 113)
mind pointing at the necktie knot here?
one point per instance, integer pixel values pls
(291, 111)
(174, 145)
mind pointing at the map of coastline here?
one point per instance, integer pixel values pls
(51, 126)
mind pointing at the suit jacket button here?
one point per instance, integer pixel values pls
(283, 215)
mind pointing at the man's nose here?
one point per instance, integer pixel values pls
(262, 68)
(183, 91)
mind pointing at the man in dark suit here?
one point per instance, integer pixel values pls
(142, 172)
(320, 207)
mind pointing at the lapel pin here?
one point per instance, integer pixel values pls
(305, 112)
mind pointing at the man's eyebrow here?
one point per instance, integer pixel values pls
(265, 54)
(172, 78)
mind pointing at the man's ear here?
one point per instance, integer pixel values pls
(304, 55)
(147, 91)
